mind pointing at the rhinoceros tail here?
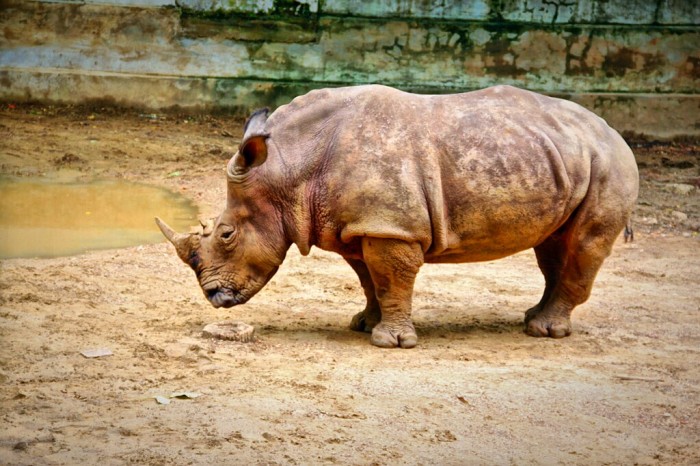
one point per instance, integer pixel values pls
(629, 232)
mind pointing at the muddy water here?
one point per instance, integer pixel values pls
(49, 219)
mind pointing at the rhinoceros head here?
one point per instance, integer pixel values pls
(236, 254)
(231, 261)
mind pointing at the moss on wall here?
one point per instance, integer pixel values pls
(249, 53)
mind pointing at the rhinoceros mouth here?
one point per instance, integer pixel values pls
(225, 297)
(220, 296)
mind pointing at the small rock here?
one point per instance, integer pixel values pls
(96, 352)
(234, 331)
(46, 438)
(681, 189)
(679, 216)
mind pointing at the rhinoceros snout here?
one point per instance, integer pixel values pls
(224, 297)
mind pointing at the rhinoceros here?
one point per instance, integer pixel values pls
(391, 180)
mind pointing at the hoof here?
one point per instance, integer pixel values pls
(364, 321)
(385, 336)
(541, 325)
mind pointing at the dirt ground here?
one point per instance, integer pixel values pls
(623, 389)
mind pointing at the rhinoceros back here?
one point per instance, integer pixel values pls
(472, 176)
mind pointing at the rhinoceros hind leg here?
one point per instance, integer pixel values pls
(393, 266)
(550, 258)
(570, 261)
(367, 319)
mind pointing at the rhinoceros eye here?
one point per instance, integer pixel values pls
(227, 234)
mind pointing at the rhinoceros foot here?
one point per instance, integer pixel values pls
(366, 320)
(541, 323)
(395, 335)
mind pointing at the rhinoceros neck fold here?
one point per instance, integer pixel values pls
(301, 141)
(298, 225)
(290, 194)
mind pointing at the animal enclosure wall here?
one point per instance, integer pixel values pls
(636, 63)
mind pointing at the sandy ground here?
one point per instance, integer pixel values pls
(624, 389)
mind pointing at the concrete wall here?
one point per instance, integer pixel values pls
(635, 62)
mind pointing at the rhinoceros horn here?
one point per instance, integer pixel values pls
(183, 243)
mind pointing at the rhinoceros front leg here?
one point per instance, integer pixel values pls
(366, 320)
(393, 266)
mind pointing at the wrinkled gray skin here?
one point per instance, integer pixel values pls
(391, 180)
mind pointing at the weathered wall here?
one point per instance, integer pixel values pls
(635, 62)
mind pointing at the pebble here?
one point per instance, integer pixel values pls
(681, 189)
(679, 216)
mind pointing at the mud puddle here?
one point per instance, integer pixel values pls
(48, 219)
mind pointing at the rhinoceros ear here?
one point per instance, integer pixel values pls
(255, 124)
(253, 149)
